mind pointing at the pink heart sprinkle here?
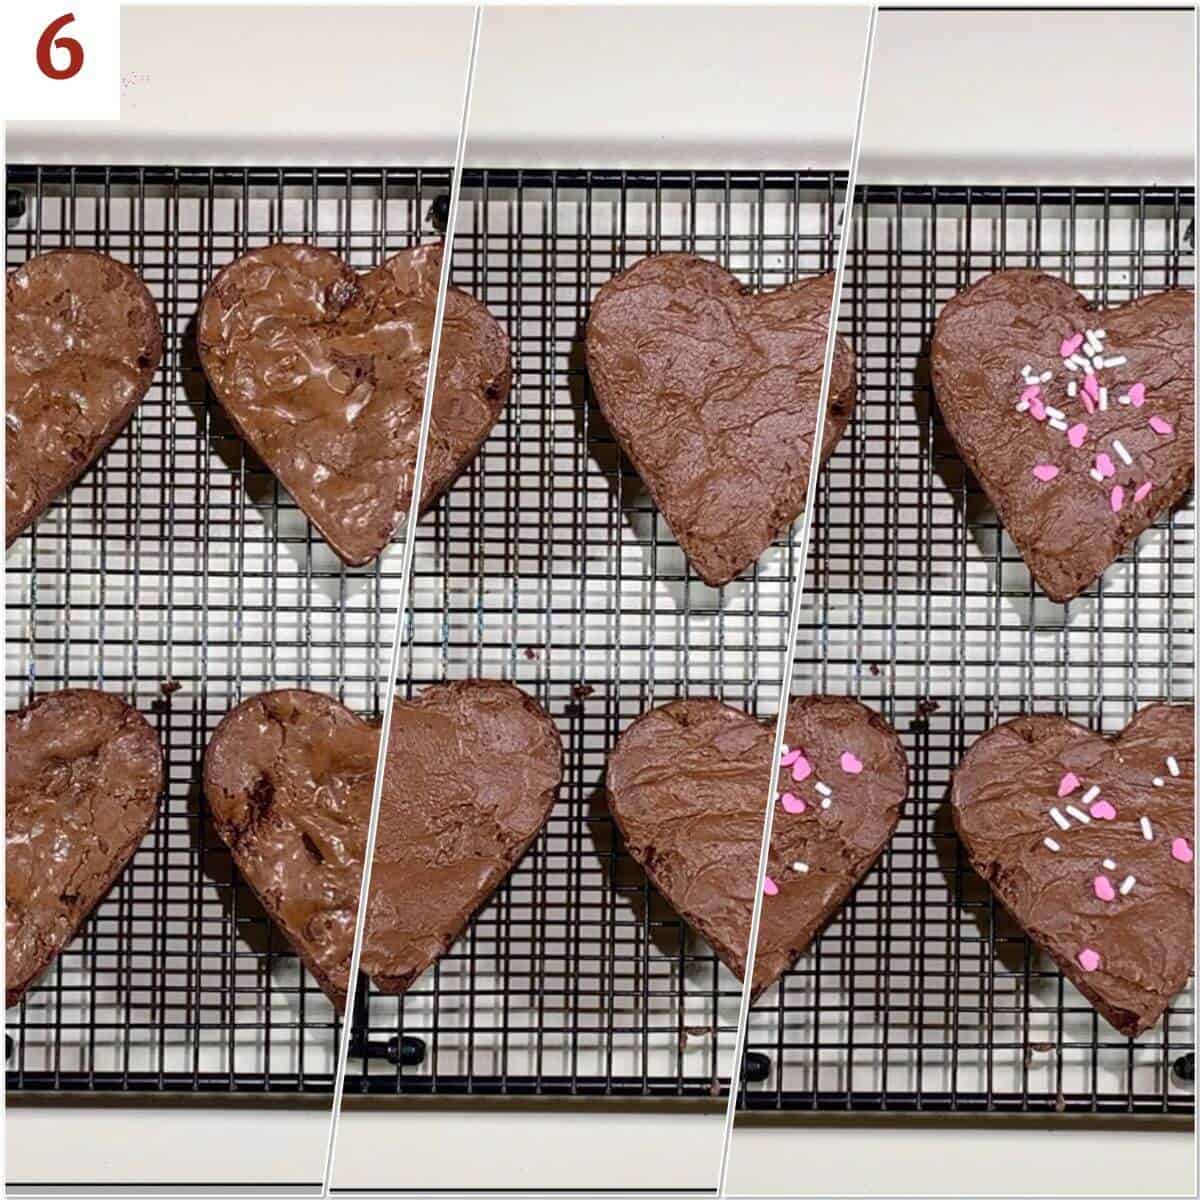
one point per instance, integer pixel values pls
(1091, 387)
(1045, 472)
(1076, 434)
(1116, 498)
(1068, 346)
(792, 804)
(1067, 784)
(1103, 811)
(1037, 410)
(801, 769)
(1161, 426)
(1104, 465)
(851, 764)
(1104, 891)
(1089, 960)
(1181, 851)
(1143, 490)
(1031, 393)
(770, 886)
(1137, 395)
(790, 757)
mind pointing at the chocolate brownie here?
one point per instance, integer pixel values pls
(688, 786)
(712, 392)
(1077, 421)
(83, 774)
(322, 370)
(83, 341)
(471, 776)
(1088, 842)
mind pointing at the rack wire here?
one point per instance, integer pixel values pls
(178, 574)
(923, 994)
(548, 565)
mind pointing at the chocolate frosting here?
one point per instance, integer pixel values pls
(83, 341)
(712, 391)
(1003, 792)
(83, 773)
(1066, 528)
(472, 772)
(322, 371)
(688, 784)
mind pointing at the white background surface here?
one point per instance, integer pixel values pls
(1071, 97)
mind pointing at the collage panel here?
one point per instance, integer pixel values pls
(996, 931)
(201, 592)
(593, 997)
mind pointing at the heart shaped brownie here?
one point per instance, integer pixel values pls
(83, 773)
(322, 371)
(1088, 842)
(712, 391)
(472, 772)
(1077, 421)
(688, 783)
(83, 341)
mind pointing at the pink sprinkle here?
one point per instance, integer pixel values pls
(1104, 891)
(1161, 426)
(1103, 811)
(1181, 851)
(1116, 498)
(1088, 403)
(1045, 472)
(1137, 395)
(1068, 346)
(1067, 784)
(770, 886)
(851, 764)
(789, 758)
(1031, 393)
(1089, 960)
(1037, 410)
(801, 769)
(1143, 490)
(1091, 388)
(1104, 465)
(1076, 434)
(792, 804)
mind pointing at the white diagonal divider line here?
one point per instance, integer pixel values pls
(785, 686)
(410, 538)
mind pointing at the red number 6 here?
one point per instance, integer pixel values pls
(69, 44)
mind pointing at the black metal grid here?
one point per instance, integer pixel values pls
(179, 559)
(547, 565)
(924, 995)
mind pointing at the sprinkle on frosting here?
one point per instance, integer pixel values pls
(792, 804)
(1116, 498)
(1172, 765)
(851, 764)
(1127, 885)
(1103, 888)
(1103, 811)
(770, 886)
(1067, 784)
(1091, 793)
(1143, 490)
(1079, 815)
(1160, 425)
(1059, 819)
(1147, 831)
(1109, 865)
(801, 868)
(1076, 433)
(1180, 850)
(1159, 781)
(1088, 959)
(1051, 844)
(1137, 395)
(823, 789)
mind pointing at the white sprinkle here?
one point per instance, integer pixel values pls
(1093, 341)
(1045, 377)
(1058, 423)
(1109, 865)
(1159, 781)
(1072, 388)
(784, 750)
(800, 868)
(1051, 844)
(1079, 815)
(1022, 406)
(1147, 832)
(1091, 793)
(1078, 360)
(1069, 363)
(1124, 400)
(1056, 413)
(1100, 334)
(1104, 399)
(826, 802)
(1059, 819)
(1027, 369)
(1127, 885)
(1087, 369)
(1172, 765)
(1126, 457)
(823, 789)
(1096, 475)
(1098, 363)
(1117, 360)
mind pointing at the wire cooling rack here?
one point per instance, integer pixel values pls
(923, 994)
(178, 574)
(548, 565)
